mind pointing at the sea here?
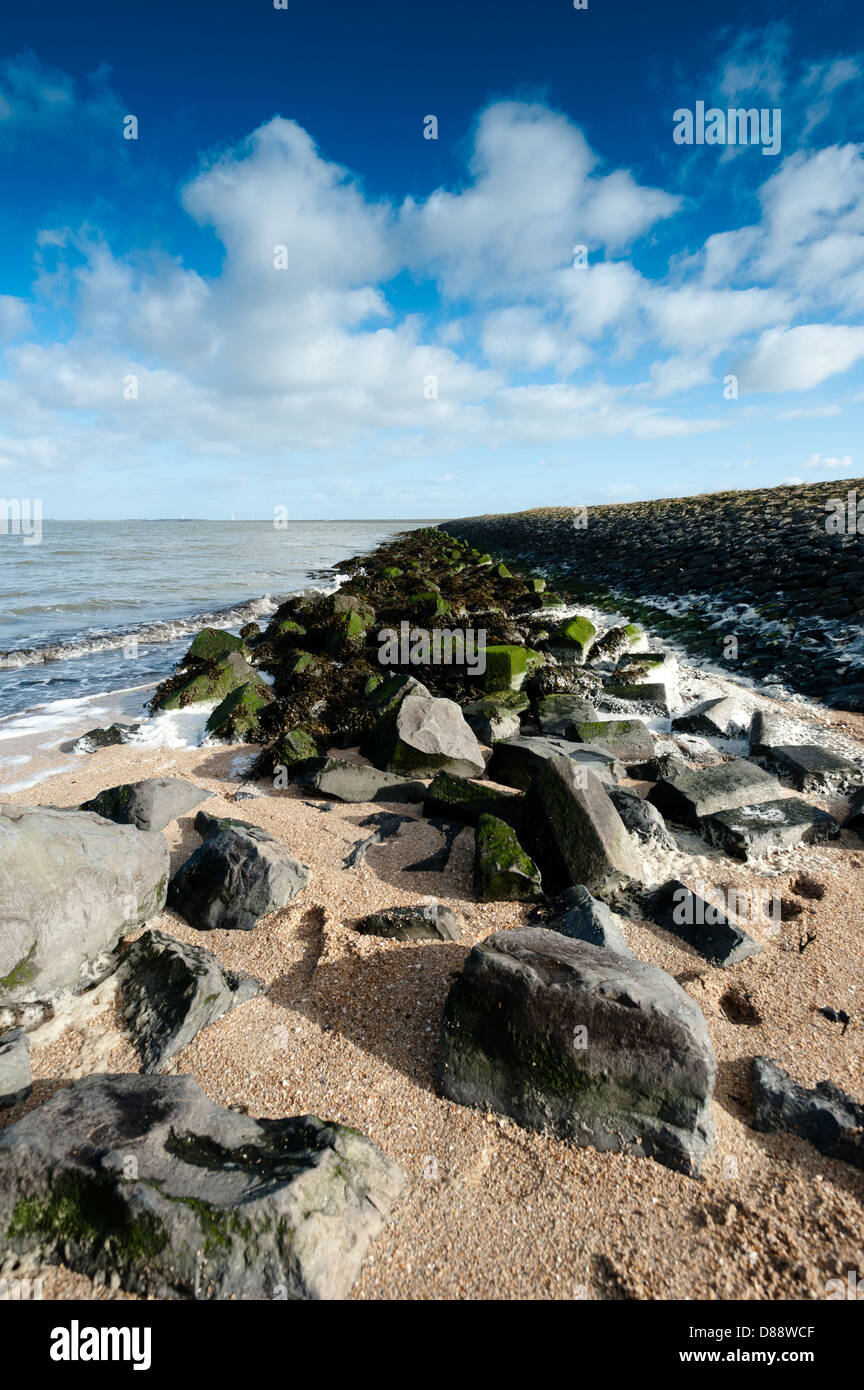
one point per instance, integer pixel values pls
(99, 612)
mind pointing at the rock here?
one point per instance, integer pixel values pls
(71, 884)
(385, 696)
(555, 713)
(171, 991)
(425, 922)
(95, 739)
(213, 683)
(651, 696)
(503, 872)
(723, 718)
(568, 809)
(755, 830)
(767, 730)
(294, 751)
(506, 667)
(208, 825)
(457, 798)
(706, 928)
(855, 818)
(828, 1118)
(236, 718)
(422, 735)
(576, 914)
(575, 1041)
(642, 819)
(214, 644)
(16, 1081)
(149, 805)
(357, 782)
(611, 645)
(516, 761)
(496, 716)
(147, 1178)
(811, 768)
(688, 794)
(627, 739)
(234, 879)
(573, 639)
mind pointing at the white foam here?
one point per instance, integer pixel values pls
(176, 728)
(37, 777)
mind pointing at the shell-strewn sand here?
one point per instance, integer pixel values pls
(348, 1030)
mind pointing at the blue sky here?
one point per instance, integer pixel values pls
(424, 345)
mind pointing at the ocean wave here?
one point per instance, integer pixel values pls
(167, 630)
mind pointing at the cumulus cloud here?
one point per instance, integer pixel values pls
(797, 359)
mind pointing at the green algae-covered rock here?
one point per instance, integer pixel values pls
(506, 667)
(458, 798)
(236, 718)
(294, 748)
(503, 872)
(502, 572)
(288, 628)
(536, 584)
(214, 683)
(214, 644)
(575, 635)
(391, 572)
(299, 663)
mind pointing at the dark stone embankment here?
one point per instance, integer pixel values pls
(771, 568)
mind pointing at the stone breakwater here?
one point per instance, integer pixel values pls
(779, 570)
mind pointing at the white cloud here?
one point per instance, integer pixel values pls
(797, 359)
(827, 464)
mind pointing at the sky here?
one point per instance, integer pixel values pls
(237, 273)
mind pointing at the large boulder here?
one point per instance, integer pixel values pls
(755, 830)
(150, 805)
(71, 884)
(812, 768)
(516, 761)
(422, 735)
(147, 1178)
(234, 879)
(687, 794)
(171, 990)
(574, 1040)
(569, 811)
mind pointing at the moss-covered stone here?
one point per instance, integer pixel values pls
(295, 747)
(506, 667)
(213, 683)
(503, 872)
(236, 718)
(576, 634)
(214, 644)
(459, 798)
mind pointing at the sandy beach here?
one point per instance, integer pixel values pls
(347, 1030)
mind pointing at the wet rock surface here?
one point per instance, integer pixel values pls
(570, 1038)
(148, 1178)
